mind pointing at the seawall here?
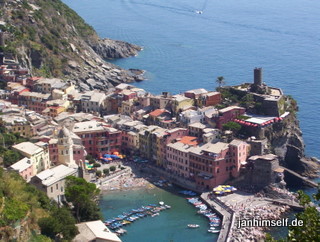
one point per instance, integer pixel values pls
(226, 214)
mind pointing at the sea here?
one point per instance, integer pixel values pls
(185, 50)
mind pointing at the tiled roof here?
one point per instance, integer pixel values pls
(157, 112)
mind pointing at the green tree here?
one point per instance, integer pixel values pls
(310, 230)
(106, 171)
(113, 168)
(233, 126)
(82, 195)
(60, 221)
(220, 81)
(10, 157)
(98, 173)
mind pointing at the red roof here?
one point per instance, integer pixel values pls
(189, 140)
(157, 112)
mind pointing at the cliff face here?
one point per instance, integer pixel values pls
(285, 140)
(52, 40)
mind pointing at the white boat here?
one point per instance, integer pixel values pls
(161, 203)
(198, 12)
(213, 231)
(167, 206)
(155, 214)
(121, 231)
(193, 225)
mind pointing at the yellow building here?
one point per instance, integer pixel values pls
(181, 103)
(38, 154)
(24, 129)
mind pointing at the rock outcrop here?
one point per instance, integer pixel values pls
(50, 39)
(285, 140)
(113, 49)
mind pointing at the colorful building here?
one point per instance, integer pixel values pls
(98, 138)
(38, 155)
(227, 114)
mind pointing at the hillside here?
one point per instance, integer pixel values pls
(50, 39)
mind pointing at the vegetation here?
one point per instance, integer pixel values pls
(7, 139)
(22, 203)
(310, 231)
(247, 101)
(233, 126)
(113, 168)
(60, 222)
(82, 195)
(106, 171)
(90, 159)
(47, 37)
(98, 173)
(220, 81)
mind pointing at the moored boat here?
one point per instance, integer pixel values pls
(193, 225)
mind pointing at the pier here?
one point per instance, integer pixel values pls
(305, 180)
(293, 205)
(226, 214)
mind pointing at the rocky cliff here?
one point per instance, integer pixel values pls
(285, 140)
(50, 39)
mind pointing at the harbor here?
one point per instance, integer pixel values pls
(173, 223)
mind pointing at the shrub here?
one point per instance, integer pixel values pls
(112, 168)
(232, 126)
(106, 171)
(98, 173)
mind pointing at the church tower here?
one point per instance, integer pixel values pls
(65, 148)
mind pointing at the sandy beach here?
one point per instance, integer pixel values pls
(126, 181)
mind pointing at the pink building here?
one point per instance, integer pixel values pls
(24, 168)
(239, 152)
(214, 164)
(98, 138)
(164, 138)
(53, 151)
(177, 156)
(227, 114)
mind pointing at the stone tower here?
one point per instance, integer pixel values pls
(257, 73)
(65, 148)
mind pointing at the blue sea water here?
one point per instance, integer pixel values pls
(170, 225)
(185, 50)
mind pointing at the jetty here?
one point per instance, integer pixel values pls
(305, 180)
(292, 204)
(226, 213)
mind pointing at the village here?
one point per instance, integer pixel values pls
(191, 139)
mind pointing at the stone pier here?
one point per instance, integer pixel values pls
(226, 213)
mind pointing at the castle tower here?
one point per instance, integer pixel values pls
(65, 148)
(257, 74)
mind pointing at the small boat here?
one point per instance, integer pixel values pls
(167, 206)
(199, 12)
(213, 231)
(155, 214)
(161, 203)
(193, 225)
(121, 231)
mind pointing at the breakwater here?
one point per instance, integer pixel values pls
(226, 214)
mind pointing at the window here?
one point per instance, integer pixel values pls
(57, 186)
(51, 189)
